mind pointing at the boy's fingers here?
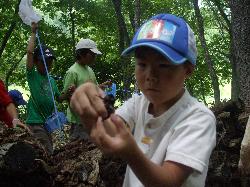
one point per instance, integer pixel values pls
(75, 104)
(101, 93)
(98, 133)
(82, 106)
(118, 122)
(93, 133)
(96, 100)
(105, 141)
(87, 101)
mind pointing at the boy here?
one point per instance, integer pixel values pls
(40, 104)
(174, 134)
(79, 73)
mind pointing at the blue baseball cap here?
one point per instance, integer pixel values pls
(169, 35)
(17, 97)
(47, 52)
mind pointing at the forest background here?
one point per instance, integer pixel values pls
(221, 28)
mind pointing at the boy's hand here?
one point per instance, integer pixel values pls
(105, 84)
(119, 141)
(87, 102)
(71, 90)
(17, 123)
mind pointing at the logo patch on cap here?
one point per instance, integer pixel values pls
(159, 30)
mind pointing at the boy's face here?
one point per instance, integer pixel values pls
(88, 59)
(41, 68)
(159, 80)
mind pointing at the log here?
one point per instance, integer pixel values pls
(24, 162)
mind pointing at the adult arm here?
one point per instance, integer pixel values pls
(11, 109)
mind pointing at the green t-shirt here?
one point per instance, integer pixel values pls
(40, 104)
(77, 75)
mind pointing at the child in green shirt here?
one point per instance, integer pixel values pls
(77, 74)
(40, 104)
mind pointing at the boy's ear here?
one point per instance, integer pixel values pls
(189, 69)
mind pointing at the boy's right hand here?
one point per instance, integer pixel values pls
(87, 102)
(71, 90)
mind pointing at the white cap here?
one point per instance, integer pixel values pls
(88, 44)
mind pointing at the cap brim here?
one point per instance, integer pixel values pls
(166, 51)
(96, 51)
(21, 102)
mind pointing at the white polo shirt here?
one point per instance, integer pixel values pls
(185, 133)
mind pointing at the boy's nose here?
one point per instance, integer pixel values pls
(152, 75)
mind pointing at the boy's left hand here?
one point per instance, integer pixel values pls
(119, 141)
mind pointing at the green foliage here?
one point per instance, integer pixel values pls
(96, 19)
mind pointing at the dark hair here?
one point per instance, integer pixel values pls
(141, 52)
(81, 52)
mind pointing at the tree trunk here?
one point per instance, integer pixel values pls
(137, 14)
(235, 76)
(123, 33)
(124, 41)
(208, 59)
(241, 46)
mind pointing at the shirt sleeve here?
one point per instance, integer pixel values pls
(5, 99)
(93, 77)
(191, 143)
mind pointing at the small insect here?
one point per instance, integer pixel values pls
(109, 101)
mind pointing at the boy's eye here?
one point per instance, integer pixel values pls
(167, 66)
(140, 64)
